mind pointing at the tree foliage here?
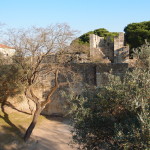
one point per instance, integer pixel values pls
(136, 33)
(115, 116)
(10, 79)
(102, 32)
(10, 82)
(33, 47)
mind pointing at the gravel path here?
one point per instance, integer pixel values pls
(51, 135)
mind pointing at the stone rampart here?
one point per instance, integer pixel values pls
(90, 74)
(112, 50)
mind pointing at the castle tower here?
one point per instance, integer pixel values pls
(96, 48)
(121, 52)
(106, 51)
(119, 41)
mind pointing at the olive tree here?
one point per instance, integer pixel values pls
(115, 116)
(10, 80)
(33, 47)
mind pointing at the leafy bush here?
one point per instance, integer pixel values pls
(115, 116)
(10, 81)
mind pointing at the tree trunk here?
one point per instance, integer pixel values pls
(39, 106)
(3, 103)
(33, 123)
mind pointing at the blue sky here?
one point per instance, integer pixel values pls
(82, 15)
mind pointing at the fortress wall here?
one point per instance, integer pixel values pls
(101, 49)
(96, 47)
(92, 74)
(119, 41)
(118, 69)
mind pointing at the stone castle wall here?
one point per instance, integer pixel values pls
(121, 52)
(102, 49)
(119, 41)
(96, 47)
(91, 74)
(118, 69)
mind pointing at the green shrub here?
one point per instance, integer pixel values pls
(115, 116)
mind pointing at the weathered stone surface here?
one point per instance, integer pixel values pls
(102, 49)
(118, 69)
(91, 74)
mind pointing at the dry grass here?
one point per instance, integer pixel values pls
(12, 127)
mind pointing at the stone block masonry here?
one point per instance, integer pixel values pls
(104, 49)
(117, 69)
(92, 74)
(119, 41)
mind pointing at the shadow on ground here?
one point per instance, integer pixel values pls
(10, 133)
(52, 134)
(59, 119)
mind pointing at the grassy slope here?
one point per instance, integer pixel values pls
(12, 127)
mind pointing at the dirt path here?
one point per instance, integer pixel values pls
(53, 134)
